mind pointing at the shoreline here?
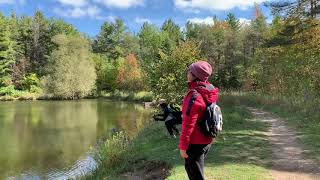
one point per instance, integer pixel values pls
(120, 96)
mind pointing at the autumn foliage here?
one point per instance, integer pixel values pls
(130, 77)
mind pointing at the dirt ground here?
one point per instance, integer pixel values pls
(289, 161)
(150, 171)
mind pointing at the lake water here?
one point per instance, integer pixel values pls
(52, 139)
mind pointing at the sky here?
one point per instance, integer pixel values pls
(89, 15)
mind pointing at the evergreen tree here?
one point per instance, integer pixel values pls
(173, 30)
(233, 22)
(40, 48)
(6, 51)
(150, 41)
(110, 40)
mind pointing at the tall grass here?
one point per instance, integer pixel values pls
(110, 154)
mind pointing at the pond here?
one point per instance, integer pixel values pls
(53, 139)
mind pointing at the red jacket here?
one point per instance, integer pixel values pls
(193, 109)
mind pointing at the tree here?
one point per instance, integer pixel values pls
(234, 66)
(107, 72)
(71, 68)
(40, 49)
(130, 77)
(170, 73)
(297, 8)
(6, 51)
(131, 44)
(58, 26)
(193, 30)
(212, 44)
(22, 28)
(110, 40)
(151, 41)
(233, 22)
(173, 30)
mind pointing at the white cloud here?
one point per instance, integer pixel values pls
(78, 12)
(215, 4)
(207, 20)
(269, 20)
(20, 2)
(139, 20)
(105, 18)
(75, 3)
(122, 4)
(245, 21)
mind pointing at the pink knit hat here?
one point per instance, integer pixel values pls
(201, 69)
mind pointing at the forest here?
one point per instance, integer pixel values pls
(41, 56)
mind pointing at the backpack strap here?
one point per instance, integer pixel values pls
(209, 87)
(195, 94)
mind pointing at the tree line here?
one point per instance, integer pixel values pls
(49, 56)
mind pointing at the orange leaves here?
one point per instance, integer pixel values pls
(129, 74)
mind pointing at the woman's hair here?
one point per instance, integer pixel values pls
(196, 79)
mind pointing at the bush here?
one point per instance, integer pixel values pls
(35, 89)
(10, 93)
(30, 83)
(7, 91)
(5, 81)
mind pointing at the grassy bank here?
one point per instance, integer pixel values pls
(241, 152)
(301, 113)
(21, 96)
(142, 96)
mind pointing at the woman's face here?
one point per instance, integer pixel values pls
(190, 76)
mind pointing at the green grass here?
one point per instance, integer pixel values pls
(301, 113)
(240, 152)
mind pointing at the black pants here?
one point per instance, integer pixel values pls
(194, 164)
(171, 125)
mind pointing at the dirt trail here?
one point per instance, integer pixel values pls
(289, 162)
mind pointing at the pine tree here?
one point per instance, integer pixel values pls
(40, 49)
(110, 40)
(6, 49)
(233, 22)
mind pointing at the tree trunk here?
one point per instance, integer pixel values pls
(312, 8)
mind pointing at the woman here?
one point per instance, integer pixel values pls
(194, 145)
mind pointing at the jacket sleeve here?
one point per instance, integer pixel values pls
(189, 122)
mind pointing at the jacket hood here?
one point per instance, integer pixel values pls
(208, 92)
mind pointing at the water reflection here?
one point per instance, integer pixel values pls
(43, 137)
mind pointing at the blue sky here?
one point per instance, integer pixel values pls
(89, 15)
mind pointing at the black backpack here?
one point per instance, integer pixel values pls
(211, 124)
